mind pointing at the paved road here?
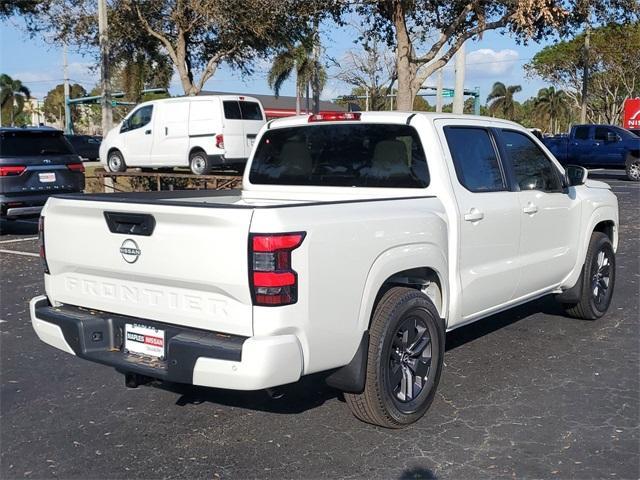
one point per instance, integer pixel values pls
(528, 393)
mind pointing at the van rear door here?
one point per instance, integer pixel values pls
(233, 130)
(253, 118)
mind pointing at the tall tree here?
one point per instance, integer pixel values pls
(54, 103)
(196, 35)
(13, 95)
(614, 65)
(426, 34)
(552, 104)
(371, 69)
(298, 59)
(501, 101)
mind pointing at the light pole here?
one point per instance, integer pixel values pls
(105, 101)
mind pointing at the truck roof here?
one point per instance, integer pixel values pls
(391, 117)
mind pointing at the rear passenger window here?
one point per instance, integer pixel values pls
(533, 170)
(250, 111)
(602, 132)
(475, 159)
(231, 110)
(582, 133)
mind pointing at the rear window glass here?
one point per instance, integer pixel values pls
(475, 159)
(352, 155)
(231, 110)
(250, 111)
(23, 144)
(582, 133)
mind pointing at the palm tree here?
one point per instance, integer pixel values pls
(301, 60)
(552, 104)
(12, 95)
(501, 98)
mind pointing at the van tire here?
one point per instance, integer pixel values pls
(199, 163)
(600, 264)
(406, 336)
(632, 168)
(115, 162)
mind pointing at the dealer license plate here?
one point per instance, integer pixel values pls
(144, 340)
(47, 177)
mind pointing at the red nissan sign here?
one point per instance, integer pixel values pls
(631, 113)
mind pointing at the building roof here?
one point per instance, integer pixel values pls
(270, 102)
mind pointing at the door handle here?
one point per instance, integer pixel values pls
(166, 131)
(474, 215)
(147, 132)
(530, 209)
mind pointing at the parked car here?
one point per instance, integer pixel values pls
(196, 132)
(87, 146)
(357, 241)
(34, 164)
(598, 146)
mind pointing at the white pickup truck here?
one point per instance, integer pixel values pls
(357, 241)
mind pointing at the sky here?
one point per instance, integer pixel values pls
(38, 64)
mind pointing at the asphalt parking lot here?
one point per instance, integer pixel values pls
(528, 393)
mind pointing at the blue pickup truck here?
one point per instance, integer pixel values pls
(598, 146)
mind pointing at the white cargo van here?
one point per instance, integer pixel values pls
(198, 132)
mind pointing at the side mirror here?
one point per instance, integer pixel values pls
(576, 175)
(124, 127)
(612, 137)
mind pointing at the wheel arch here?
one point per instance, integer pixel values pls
(419, 266)
(603, 219)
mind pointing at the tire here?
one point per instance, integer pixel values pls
(199, 163)
(598, 280)
(399, 350)
(115, 162)
(632, 167)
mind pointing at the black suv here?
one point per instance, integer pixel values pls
(35, 163)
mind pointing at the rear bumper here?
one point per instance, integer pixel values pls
(192, 356)
(24, 205)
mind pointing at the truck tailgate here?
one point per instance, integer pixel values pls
(190, 271)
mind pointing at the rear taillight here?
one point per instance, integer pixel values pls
(219, 141)
(273, 280)
(76, 167)
(43, 252)
(334, 116)
(12, 170)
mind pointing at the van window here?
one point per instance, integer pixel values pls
(140, 118)
(250, 111)
(341, 155)
(231, 110)
(475, 159)
(533, 170)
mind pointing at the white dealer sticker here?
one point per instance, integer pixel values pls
(144, 340)
(47, 177)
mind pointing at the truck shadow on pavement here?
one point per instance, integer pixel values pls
(311, 391)
(19, 227)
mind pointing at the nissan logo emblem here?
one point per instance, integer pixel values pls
(130, 251)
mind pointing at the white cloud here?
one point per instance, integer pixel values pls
(488, 63)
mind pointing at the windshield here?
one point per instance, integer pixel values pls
(624, 134)
(350, 154)
(33, 144)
